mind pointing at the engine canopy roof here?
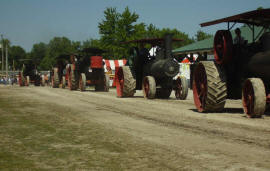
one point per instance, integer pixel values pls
(256, 17)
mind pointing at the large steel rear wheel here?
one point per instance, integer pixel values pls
(106, 82)
(254, 97)
(27, 83)
(55, 78)
(181, 88)
(149, 87)
(21, 79)
(223, 46)
(82, 82)
(209, 87)
(37, 80)
(72, 80)
(63, 82)
(125, 83)
(42, 80)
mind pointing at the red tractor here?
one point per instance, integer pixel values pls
(87, 69)
(239, 70)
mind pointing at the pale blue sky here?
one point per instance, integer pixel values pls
(26, 22)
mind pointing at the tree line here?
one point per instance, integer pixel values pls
(114, 29)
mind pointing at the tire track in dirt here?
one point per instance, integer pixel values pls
(210, 141)
(248, 135)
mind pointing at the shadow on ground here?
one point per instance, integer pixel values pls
(225, 110)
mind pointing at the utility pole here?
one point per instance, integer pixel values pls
(2, 54)
(7, 60)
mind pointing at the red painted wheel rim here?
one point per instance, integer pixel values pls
(146, 87)
(200, 88)
(248, 98)
(119, 81)
(219, 46)
(223, 46)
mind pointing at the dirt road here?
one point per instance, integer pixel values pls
(153, 134)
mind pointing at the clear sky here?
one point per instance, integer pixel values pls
(25, 22)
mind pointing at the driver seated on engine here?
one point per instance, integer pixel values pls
(153, 52)
(239, 44)
(239, 40)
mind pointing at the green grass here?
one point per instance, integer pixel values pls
(41, 136)
(40, 140)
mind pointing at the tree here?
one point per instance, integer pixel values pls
(152, 31)
(56, 47)
(91, 43)
(76, 46)
(177, 34)
(140, 31)
(117, 28)
(200, 35)
(125, 25)
(108, 29)
(16, 53)
(38, 52)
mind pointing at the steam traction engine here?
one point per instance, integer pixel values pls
(88, 70)
(239, 70)
(30, 74)
(59, 74)
(152, 74)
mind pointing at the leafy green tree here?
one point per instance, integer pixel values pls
(177, 34)
(76, 46)
(117, 28)
(38, 52)
(140, 31)
(16, 53)
(108, 30)
(152, 31)
(125, 25)
(56, 47)
(91, 43)
(200, 35)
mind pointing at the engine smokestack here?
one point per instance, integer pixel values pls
(168, 45)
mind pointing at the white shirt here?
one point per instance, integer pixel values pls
(152, 51)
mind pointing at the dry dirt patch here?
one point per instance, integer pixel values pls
(54, 128)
